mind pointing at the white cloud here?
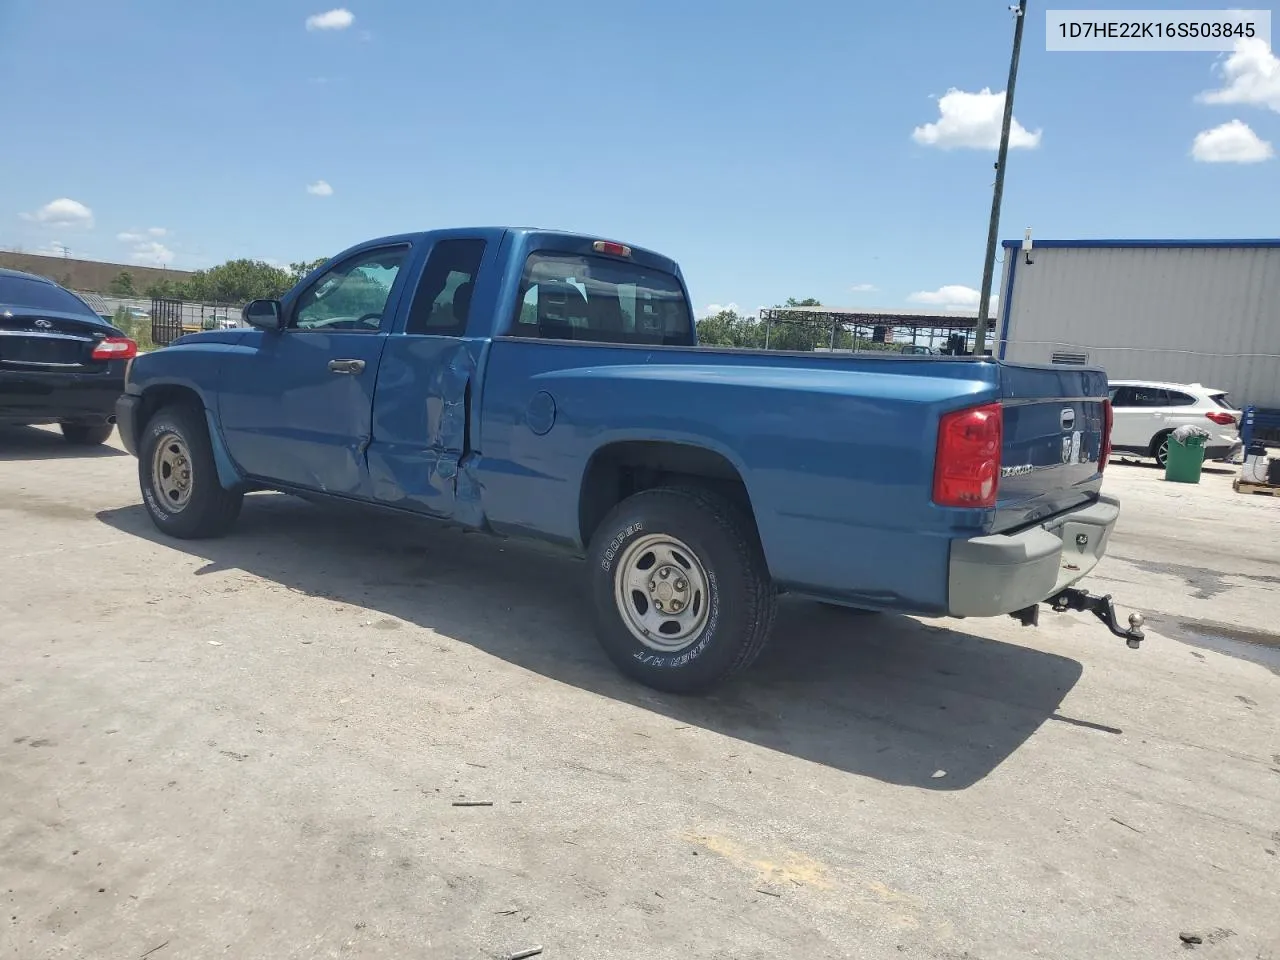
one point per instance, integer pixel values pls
(863, 288)
(338, 19)
(953, 296)
(1251, 76)
(972, 120)
(1233, 142)
(63, 212)
(711, 309)
(152, 253)
(137, 236)
(320, 188)
(54, 248)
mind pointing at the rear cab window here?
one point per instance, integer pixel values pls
(600, 299)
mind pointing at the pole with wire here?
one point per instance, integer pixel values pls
(993, 229)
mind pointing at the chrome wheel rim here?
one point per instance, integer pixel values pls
(171, 472)
(1162, 452)
(662, 594)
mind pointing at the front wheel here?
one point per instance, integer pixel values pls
(86, 434)
(682, 596)
(179, 479)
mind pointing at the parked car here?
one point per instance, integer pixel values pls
(1146, 412)
(59, 361)
(549, 386)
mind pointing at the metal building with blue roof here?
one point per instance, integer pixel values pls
(1186, 311)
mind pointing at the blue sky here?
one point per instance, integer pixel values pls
(770, 147)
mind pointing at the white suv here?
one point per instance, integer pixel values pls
(1145, 413)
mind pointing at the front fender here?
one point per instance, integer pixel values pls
(179, 373)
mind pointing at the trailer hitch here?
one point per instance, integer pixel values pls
(1104, 610)
(1100, 607)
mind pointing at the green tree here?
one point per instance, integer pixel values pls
(729, 329)
(166, 289)
(122, 285)
(303, 267)
(237, 281)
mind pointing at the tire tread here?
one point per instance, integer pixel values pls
(218, 507)
(756, 586)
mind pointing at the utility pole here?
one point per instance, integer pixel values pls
(989, 267)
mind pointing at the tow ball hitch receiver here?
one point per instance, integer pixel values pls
(1100, 607)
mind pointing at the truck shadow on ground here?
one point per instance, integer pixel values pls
(30, 443)
(880, 696)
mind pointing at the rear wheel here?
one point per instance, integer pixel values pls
(1160, 449)
(682, 595)
(87, 434)
(179, 479)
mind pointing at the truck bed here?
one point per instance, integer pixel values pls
(835, 451)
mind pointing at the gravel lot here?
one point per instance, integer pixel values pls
(251, 747)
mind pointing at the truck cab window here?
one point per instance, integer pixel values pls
(565, 297)
(442, 302)
(352, 295)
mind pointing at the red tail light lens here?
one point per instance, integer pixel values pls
(966, 471)
(1108, 419)
(1220, 418)
(115, 348)
(608, 246)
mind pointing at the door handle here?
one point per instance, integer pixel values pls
(346, 366)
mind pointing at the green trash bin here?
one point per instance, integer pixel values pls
(1185, 460)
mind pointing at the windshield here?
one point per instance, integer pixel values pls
(39, 295)
(596, 298)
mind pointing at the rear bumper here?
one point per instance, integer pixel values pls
(1002, 573)
(37, 396)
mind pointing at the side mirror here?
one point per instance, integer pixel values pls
(263, 314)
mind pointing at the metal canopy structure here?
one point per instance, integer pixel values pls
(876, 328)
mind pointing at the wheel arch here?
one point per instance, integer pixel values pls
(1159, 437)
(622, 467)
(157, 396)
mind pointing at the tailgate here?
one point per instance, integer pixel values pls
(1053, 431)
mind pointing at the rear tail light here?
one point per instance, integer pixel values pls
(1220, 418)
(1108, 420)
(115, 348)
(966, 471)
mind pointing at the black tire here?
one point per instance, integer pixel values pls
(1160, 448)
(209, 509)
(87, 434)
(740, 600)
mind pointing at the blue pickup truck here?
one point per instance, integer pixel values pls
(547, 385)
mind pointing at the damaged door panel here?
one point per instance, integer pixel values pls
(420, 422)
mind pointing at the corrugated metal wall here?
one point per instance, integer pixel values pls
(1206, 315)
